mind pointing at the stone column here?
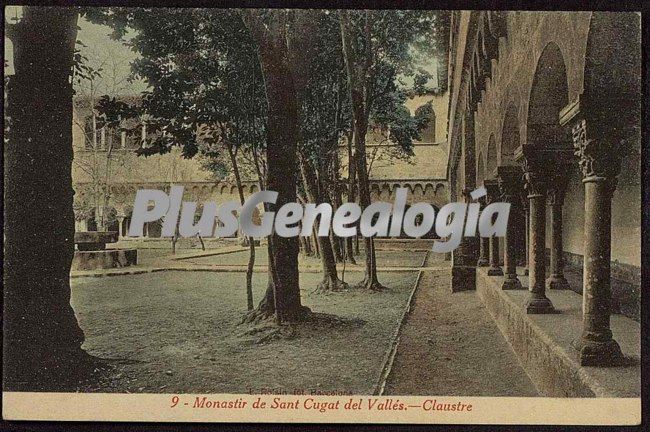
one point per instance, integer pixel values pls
(484, 250)
(120, 224)
(509, 178)
(464, 258)
(536, 185)
(522, 231)
(556, 200)
(523, 201)
(493, 193)
(600, 166)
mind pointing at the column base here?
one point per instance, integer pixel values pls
(495, 271)
(511, 283)
(483, 262)
(557, 282)
(539, 305)
(463, 278)
(602, 354)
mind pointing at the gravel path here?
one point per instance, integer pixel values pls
(449, 345)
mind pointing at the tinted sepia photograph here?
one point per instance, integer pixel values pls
(322, 215)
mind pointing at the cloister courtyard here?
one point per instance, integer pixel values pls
(538, 113)
(172, 324)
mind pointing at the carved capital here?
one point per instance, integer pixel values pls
(510, 182)
(536, 180)
(596, 159)
(492, 188)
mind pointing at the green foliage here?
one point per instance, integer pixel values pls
(325, 108)
(82, 71)
(388, 43)
(206, 86)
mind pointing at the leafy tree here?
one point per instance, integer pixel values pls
(202, 64)
(377, 49)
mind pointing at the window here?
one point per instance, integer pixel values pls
(90, 129)
(428, 135)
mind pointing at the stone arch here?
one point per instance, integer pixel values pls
(428, 135)
(612, 78)
(491, 161)
(222, 189)
(126, 213)
(410, 187)
(510, 140)
(385, 191)
(91, 221)
(253, 188)
(233, 190)
(417, 188)
(548, 95)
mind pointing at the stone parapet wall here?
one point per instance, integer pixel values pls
(543, 343)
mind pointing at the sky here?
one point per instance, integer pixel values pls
(113, 56)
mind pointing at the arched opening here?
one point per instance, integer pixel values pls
(91, 221)
(113, 225)
(611, 104)
(125, 226)
(612, 78)
(510, 140)
(549, 94)
(428, 135)
(510, 143)
(490, 171)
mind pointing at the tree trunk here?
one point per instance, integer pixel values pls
(304, 247)
(336, 201)
(42, 339)
(352, 197)
(356, 75)
(331, 281)
(251, 240)
(314, 234)
(282, 139)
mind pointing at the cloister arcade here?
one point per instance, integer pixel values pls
(545, 113)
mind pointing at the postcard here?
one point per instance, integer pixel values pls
(322, 215)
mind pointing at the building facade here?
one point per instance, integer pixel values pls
(107, 172)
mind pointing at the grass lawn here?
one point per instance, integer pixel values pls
(179, 332)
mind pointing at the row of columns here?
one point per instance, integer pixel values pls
(599, 167)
